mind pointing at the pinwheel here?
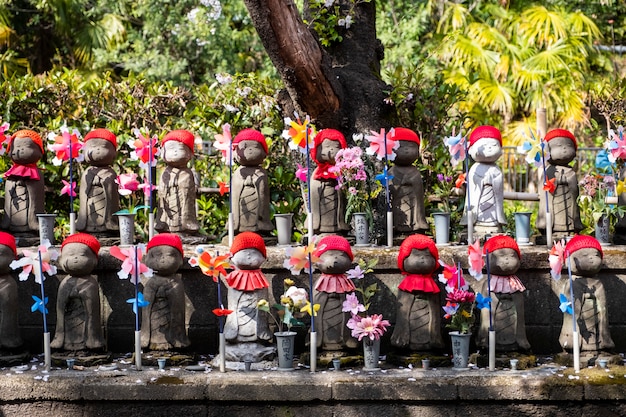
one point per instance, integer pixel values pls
(483, 302)
(557, 259)
(457, 148)
(616, 144)
(4, 138)
(475, 259)
(565, 304)
(300, 134)
(145, 151)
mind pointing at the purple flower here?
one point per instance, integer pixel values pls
(440, 177)
(352, 304)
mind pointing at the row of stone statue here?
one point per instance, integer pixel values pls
(419, 307)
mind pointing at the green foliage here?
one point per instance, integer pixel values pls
(329, 18)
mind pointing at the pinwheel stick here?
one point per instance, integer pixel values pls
(46, 333)
(72, 214)
(470, 217)
(313, 336)
(575, 344)
(222, 337)
(231, 220)
(545, 180)
(387, 197)
(309, 212)
(137, 330)
(492, 332)
(150, 200)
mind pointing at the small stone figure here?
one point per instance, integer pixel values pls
(406, 187)
(246, 330)
(176, 210)
(98, 196)
(163, 324)
(485, 182)
(79, 324)
(589, 304)
(507, 296)
(24, 185)
(10, 339)
(328, 205)
(418, 317)
(336, 258)
(251, 190)
(563, 201)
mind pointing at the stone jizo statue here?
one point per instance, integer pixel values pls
(176, 210)
(507, 296)
(407, 187)
(563, 201)
(23, 183)
(251, 190)
(331, 288)
(246, 329)
(98, 196)
(485, 182)
(10, 338)
(590, 303)
(418, 316)
(79, 324)
(163, 326)
(328, 205)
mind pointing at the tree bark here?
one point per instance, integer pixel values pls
(339, 87)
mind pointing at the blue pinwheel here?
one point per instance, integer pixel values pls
(383, 178)
(39, 305)
(138, 302)
(566, 305)
(483, 302)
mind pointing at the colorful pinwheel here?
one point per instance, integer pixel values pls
(212, 266)
(483, 302)
(37, 263)
(382, 145)
(616, 145)
(4, 138)
(452, 277)
(223, 143)
(476, 260)
(300, 257)
(63, 143)
(557, 259)
(457, 148)
(535, 151)
(138, 302)
(131, 263)
(144, 149)
(39, 305)
(298, 132)
(565, 304)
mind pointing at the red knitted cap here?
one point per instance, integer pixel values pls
(482, 132)
(581, 242)
(34, 136)
(402, 133)
(251, 134)
(8, 240)
(561, 133)
(102, 134)
(166, 239)
(416, 242)
(334, 242)
(85, 239)
(501, 242)
(248, 240)
(183, 136)
(330, 134)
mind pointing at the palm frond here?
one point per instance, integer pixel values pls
(455, 17)
(497, 97)
(581, 25)
(543, 27)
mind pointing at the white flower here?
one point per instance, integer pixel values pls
(231, 108)
(328, 3)
(348, 21)
(224, 78)
(193, 15)
(298, 296)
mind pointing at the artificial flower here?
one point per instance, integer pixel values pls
(31, 263)
(138, 302)
(460, 181)
(132, 267)
(63, 143)
(356, 273)
(382, 145)
(476, 260)
(297, 296)
(565, 304)
(127, 183)
(211, 266)
(370, 326)
(452, 277)
(145, 149)
(39, 305)
(352, 304)
(223, 143)
(67, 189)
(557, 259)
(460, 296)
(307, 309)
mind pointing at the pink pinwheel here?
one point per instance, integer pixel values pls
(30, 263)
(67, 189)
(296, 133)
(456, 147)
(616, 145)
(451, 277)
(4, 138)
(557, 259)
(298, 258)
(377, 145)
(142, 151)
(146, 187)
(127, 256)
(223, 142)
(475, 259)
(127, 184)
(301, 173)
(61, 146)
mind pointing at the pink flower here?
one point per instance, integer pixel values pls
(352, 304)
(461, 296)
(67, 189)
(223, 143)
(127, 183)
(355, 273)
(371, 326)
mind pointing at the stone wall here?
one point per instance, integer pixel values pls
(543, 317)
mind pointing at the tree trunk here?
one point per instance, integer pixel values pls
(339, 87)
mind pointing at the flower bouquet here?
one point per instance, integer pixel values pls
(460, 301)
(293, 303)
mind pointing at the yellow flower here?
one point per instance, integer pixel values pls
(307, 308)
(620, 187)
(289, 282)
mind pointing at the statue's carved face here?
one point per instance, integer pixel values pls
(407, 153)
(176, 154)
(164, 260)
(6, 257)
(419, 261)
(250, 153)
(99, 152)
(562, 151)
(24, 151)
(248, 259)
(77, 259)
(334, 262)
(327, 150)
(586, 262)
(486, 150)
(504, 261)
